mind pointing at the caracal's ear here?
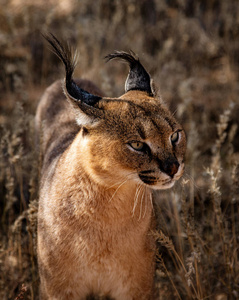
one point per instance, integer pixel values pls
(82, 101)
(138, 78)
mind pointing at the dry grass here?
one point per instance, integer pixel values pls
(191, 48)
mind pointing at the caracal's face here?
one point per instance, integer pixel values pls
(138, 141)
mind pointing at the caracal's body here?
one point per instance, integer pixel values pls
(100, 159)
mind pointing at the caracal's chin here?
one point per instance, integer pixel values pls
(163, 186)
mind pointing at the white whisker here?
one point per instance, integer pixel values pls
(141, 204)
(151, 201)
(118, 189)
(120, 181)
(146, 202)
(136, 198)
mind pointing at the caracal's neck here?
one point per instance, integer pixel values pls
(125, 201)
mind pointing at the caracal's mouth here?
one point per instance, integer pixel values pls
(159, 184)
(162, 182)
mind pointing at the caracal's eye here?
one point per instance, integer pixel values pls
(175, 137)
(138, 146)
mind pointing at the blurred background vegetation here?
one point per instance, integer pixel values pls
(191, 50)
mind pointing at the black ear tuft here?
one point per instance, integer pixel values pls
(64, 52)
(138, 78)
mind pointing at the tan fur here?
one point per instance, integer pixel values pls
(95, 213)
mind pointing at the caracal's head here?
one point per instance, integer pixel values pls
(133, 138)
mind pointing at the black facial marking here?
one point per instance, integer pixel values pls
(151, 180)
(85, 131)
(141, 132)
(147, 172)
(170, 122)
